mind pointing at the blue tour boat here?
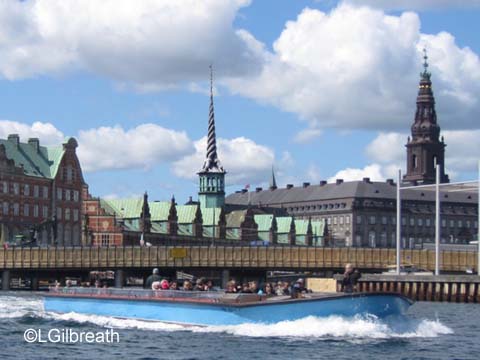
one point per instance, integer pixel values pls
(219, 308)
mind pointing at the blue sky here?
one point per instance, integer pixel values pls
(319, 89)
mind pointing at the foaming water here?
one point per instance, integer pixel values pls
(335, 327)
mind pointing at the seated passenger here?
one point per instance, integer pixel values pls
(350, 279)
(199, 285)
(173, 285)
(231, 287)
(268, 289)
(254, 288)
(187, 285)
(156, 285)
(246, 289)
(298, 289)
(164, 285)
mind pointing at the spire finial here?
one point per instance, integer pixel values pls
(425, 73)
(273, 181)
(211, 162)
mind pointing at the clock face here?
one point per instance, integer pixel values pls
(105, 225)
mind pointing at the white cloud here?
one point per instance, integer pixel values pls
(416, 4)
(357, 68)
(461, 154)
(151, 44)
(372, 171)
(244, 160)
(47, 133)
(144, 146)
(307, 135)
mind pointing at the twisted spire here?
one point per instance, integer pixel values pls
(425, 74)
(212, 163)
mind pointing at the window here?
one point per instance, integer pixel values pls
(412, 221)
(329, 221)
(460, 223)
(45, 212)
(35, 191)
(334, 220)
(444, 223)
(394, 220)
(452, 223)
(59, 213)
(67, 214)
(404, 221)
(105, 239)
(16, 209)
(347, 219)
(5, 208)
(340, 220)
(67, 195)
(428, 222)
(16, 188)
(373, 220)
(371, 239)
(467, 224)
(75, 214)
(26, 190)
(359, 219)
(75, 195)
(5, 187)
(476, 224)
(45, 192)
(420, 222)
(35, 210)
(414, 161)
(26, 210)
(383, 239)
(384, 220)
(59, 193)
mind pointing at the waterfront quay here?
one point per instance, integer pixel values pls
(56, 263)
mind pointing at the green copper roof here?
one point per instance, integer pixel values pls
(210, 216)
(264, 221)
(42, 163)
(283, 224)
(318, 227)
(124, 208)
(186, 213)
(301, 227)
(159, 210)
(235, 218)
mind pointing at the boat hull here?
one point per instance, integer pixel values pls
(271, 311)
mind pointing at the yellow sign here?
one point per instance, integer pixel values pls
(178, 253)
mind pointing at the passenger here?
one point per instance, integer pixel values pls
(269, 289)
(173, 285)
(199, 285)
(98, 283)
(187, 285)
(286, 288)
(164, 285)
(246, 289)
(154, 277)
(68, 283)
(279, 289)
(209, 285)
(350, 279)
(231, 287)
(156, 285)
(254, 288)
(298, 289)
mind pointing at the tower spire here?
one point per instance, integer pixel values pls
(212, 163)
(273, 182)
(425, 149)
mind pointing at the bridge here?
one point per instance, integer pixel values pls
(291, 258)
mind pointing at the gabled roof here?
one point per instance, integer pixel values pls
(42, 163)
(186, 213)
(301, 226)
(123, 208)
(211, 216)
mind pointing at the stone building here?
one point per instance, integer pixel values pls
(40, 192)
(363, 213)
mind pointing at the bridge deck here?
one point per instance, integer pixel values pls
(272, 258)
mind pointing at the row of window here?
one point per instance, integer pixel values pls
(28, 210)
(319, 207)
(382, 240)
(67, 214)
(372, 220)
(16, 188)
(338, 220)
(68, 195)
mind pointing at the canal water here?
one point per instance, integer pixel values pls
(429, 331)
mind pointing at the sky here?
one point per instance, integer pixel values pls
(318, 89)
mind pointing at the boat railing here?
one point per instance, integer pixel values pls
(144, 294)
(137, 293)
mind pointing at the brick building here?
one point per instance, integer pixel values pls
(40, 192)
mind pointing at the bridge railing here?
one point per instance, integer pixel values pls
(271, 257)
